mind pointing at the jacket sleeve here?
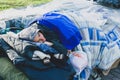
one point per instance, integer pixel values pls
(9, 51)
(29, 50)
(59, 47)
(21, 47)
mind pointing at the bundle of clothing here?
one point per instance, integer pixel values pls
(20, 50)
(110, 3)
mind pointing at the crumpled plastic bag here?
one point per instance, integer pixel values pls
(79, 61)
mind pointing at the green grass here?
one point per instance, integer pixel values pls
(6, 4)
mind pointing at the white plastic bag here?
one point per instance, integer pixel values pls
(79, 61)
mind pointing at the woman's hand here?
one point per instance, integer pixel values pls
(48, 43)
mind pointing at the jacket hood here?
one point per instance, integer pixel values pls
(29, 33)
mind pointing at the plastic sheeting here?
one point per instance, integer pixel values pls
(96, 22)
(86, 14)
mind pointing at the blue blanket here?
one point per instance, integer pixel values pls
(66, 30)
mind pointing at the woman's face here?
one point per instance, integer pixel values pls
(39, 38)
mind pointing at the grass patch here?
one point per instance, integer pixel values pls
(6, 4)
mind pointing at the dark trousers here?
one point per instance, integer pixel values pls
(37, 71)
